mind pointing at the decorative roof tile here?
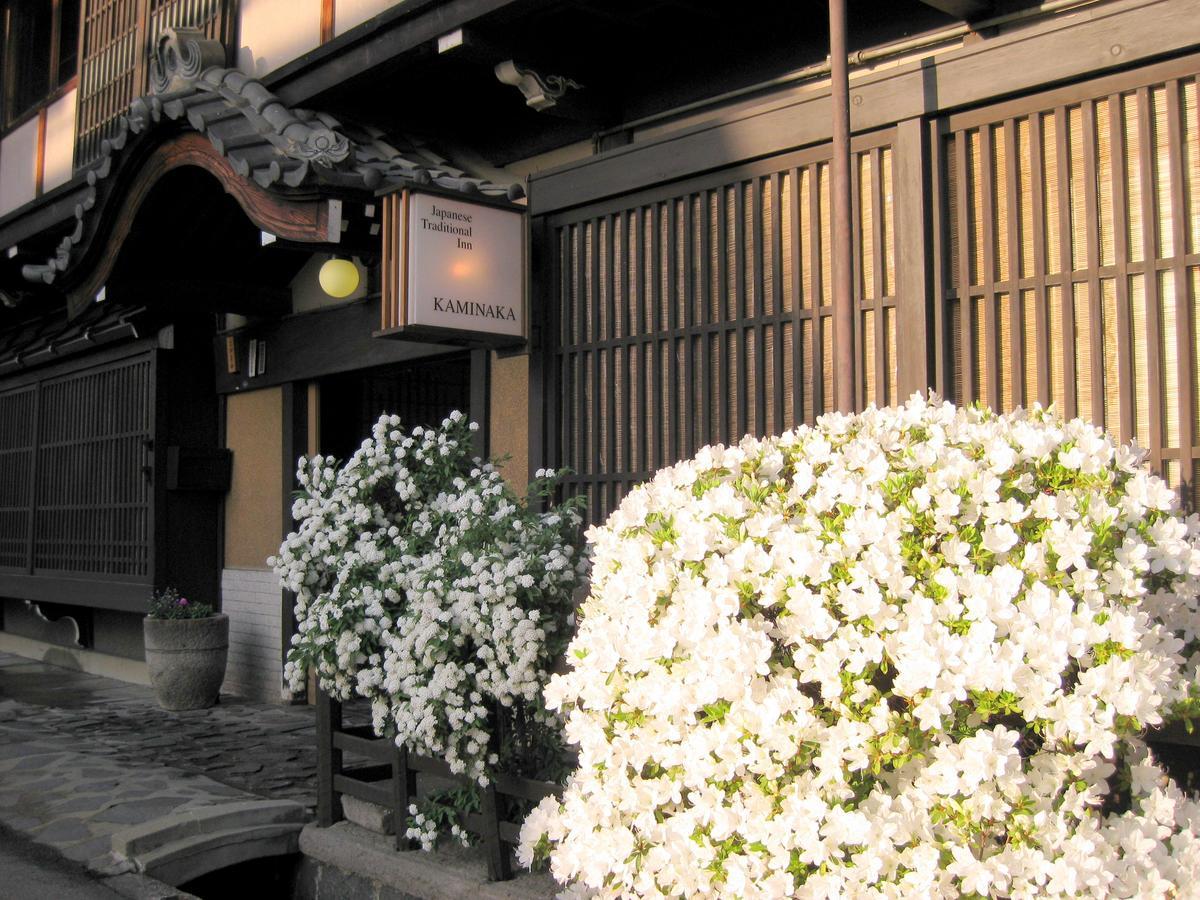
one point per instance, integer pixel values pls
(280, 148)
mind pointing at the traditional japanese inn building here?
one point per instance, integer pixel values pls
(612, 232)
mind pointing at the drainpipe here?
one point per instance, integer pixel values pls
(840, 234)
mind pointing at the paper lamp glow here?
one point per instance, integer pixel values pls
(338, 277)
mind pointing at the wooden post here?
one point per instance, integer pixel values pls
(913, 319)
(840, 223)
(481, 364)
(404, 790)
(499, 868)
(329, 760)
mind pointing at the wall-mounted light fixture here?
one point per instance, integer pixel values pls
(338, 277)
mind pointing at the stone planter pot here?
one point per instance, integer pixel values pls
(186, 659)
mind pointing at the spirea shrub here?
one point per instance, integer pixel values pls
(424, 584)
(900, 654)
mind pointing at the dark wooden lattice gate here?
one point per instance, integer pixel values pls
(76, 462)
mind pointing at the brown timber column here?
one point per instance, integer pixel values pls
(840, 236)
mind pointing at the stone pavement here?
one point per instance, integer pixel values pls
(84, 757)
(89, 765)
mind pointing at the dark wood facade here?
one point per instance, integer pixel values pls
(1037, 249)
(88, 515)
(1024, 227)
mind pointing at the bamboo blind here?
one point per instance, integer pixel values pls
(118, 36)
(1072, 270)
(697, 317)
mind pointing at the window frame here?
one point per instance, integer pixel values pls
(57, 87)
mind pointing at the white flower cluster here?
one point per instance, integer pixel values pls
(424, 584)
(904, 653)
(426, 829)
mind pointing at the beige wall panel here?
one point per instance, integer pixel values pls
(274, 32)
(18, 160)
(60, 141)
(349, 13)
(253, 508)
(510, 417)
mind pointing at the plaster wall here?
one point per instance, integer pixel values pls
(274, 32)
(114, 633)
(118, 633)
(18, 161)
(60, 141)
(510, 418)
(254, 505)
(349, 13)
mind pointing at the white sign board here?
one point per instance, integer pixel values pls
(465, 264)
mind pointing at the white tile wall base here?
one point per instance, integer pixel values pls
(251, 599)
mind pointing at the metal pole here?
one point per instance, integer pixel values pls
(840, 236)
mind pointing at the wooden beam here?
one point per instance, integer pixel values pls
(1054, 50)
(961, 9)
(913, 290)
(210, 296)
(303, 348)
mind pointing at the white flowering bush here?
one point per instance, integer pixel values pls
(425, 585)
(905, 653)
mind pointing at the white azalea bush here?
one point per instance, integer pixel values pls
(905, 653)
(425, 585)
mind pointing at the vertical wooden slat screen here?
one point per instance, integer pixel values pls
(1072, 221)
(117, 38)
(16, 472)
(696, 315)
(89, 500)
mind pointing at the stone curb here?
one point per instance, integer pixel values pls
(445, 875)
(154, 835)
(143, 887)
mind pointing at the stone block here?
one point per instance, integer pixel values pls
(368, 815)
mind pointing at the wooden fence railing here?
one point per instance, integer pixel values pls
(389, 779)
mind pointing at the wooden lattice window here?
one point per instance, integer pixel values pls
(93, 491)
(699, 313)
(16, 468)
(75, 494)
(1071, 272)
(118, 36)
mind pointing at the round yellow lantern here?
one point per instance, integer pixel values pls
(338, 277)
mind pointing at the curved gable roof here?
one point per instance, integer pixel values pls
(290, 152)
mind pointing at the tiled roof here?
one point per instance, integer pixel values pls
(48, 337)
(282, 149)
